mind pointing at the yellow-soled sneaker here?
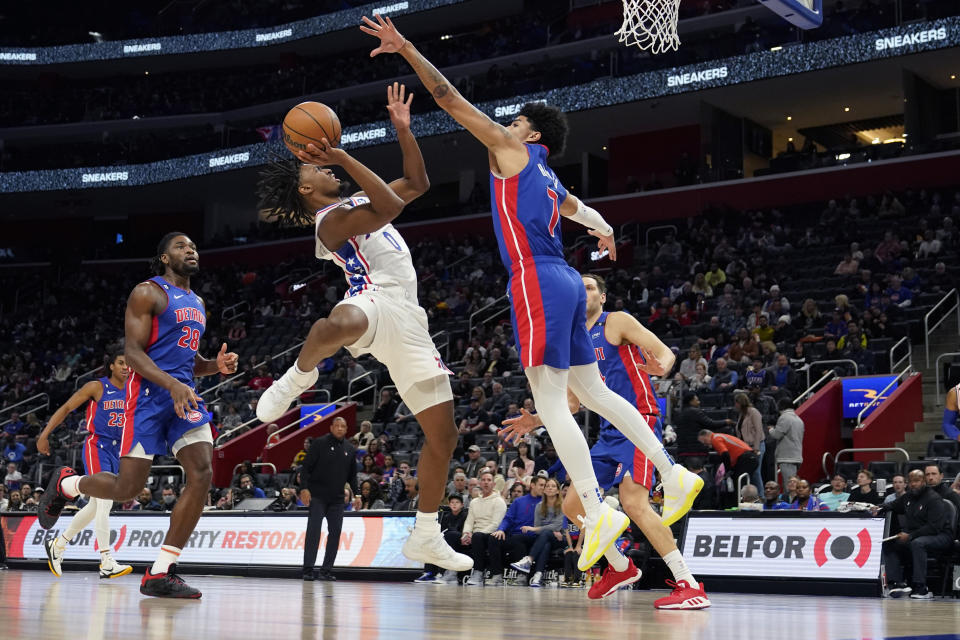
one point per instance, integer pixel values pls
(680, 489)
(599, 533)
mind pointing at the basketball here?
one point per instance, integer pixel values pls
(310, 122)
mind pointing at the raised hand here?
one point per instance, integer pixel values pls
(398, 105)
(605, 242)
(518, 426)
(324, 155)
(652, 365)
(227, 362)
(390, 39)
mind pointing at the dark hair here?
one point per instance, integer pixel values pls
(455, 496)
(688, 397)
(601, 283)
(551, 122)
(156, 265)
(278, 194)
(784, 403)
(932, 463)
(112, 356)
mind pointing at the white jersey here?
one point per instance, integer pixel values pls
(374, 261)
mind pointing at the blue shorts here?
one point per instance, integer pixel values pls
(548, 307)
(150, 420)
(100, 454)
(611, 461)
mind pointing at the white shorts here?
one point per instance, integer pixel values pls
(398, 337)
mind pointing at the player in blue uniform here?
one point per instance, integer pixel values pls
(164, 322)
(101, 452)
(547, 296)
(627, 354)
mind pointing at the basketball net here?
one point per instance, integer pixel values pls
(650, 24)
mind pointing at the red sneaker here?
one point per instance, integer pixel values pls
(684, 596)
(613, 580)
(53, 499)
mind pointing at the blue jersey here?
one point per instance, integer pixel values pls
(105, 418)
(619, 367)
(526, 211)
(175, 336)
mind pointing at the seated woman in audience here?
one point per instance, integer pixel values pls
(548, 522)
(368, 470)
(389, 468)
(369, 498)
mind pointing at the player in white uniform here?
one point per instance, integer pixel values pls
(380, 314)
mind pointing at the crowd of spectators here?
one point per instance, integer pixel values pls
(61, 99)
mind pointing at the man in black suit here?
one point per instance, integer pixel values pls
(331, 463)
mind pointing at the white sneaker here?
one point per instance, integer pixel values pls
(523, 565)
(495, 581)
(110, 569)
(54, 557)
(450, 577)
(599, 533)
(431, 548)
(475, 579)
(277, 398)
(680, 489)
(536, 579)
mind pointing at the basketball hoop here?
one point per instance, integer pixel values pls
(650, 24)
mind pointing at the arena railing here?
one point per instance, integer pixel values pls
(85, 374)
(445, 345)
(45, 404)
(498, 301)
(856, 367)
(836, 456)
(908, 357)
(255, 464)
(601, 92)
(234, 311)
(936, 366)
(827, 377)
(880, 397)
(296, 422)
(951, 297)
(659, 227)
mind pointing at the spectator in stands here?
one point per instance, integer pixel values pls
(546, 459)
(374, 449)
(473, 421)
(670, 251)
(547, 525)
(248, 489)
(749, 495)
(799, 360)
(926, 528)
(725, 378)
(302, 454)
(14, 452)
(899, 485)
(486, 513)
(458, 487)
(688, 367)
(261, 381)
(757, 376)
(498, 404)
(853, 335)
(370, 499)
(517, 490)
(940, 281)
(498, 364)
(475, 462)
(900, 295)
(788, 434)
(15, 502)
(715, 277)
(701, 287)
(848, 266)
(397, 487)
(691, 421)
(744, 348)
(169, 497)
(147, 503)
(810, 319)
(763, 331)
(934, 479)
(803, 501)
(232, 420)
(287, 501)
(362, 439)
(836, 328)
(514, 535)
(707, 498)
(837, 494)
(930, 247)
(784, 378)
(771, 495)
(403, 413)
(369, 470)
(389, 469)
(889, 249)
(499, 482)
(700, 380)
(864, 491)
(411, 495)
(386, 408)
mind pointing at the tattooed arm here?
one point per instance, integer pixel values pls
(507, 153)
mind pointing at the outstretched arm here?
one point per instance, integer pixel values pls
(573, 207)
(623, 328)
(510, 154)
(86, 393)
(414, 182)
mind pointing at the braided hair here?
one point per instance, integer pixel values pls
(278, 193)
(156, 264)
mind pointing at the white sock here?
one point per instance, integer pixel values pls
(298, 372)
(106, 558)
(101, 523)
(70, 486)
(168, 555)
(678, 567)
(586, 383)
(428, 522)
(616, 559)
(79, 521)
(549, 388)
(60, 544)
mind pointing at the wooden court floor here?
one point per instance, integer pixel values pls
(35, 605)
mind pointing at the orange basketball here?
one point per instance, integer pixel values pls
(310, 122)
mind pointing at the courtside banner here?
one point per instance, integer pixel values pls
(366, 541)
(771, 547)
